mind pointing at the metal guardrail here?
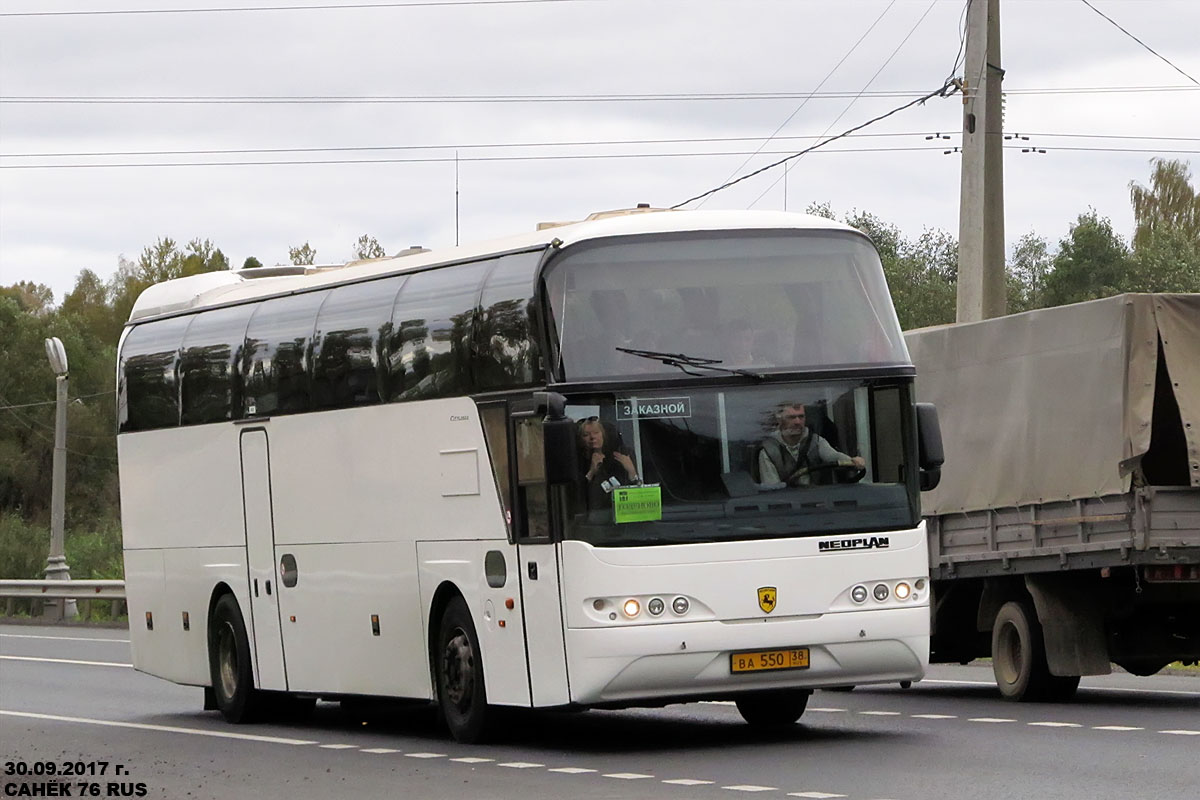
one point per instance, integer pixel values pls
(52, 600)
(75, 590)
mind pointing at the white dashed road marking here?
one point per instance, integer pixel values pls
(627, 776)
(934, 716)
(472, 760)
(1056, 724)
(425, 755)
(571, 770)
(880, 713)
(1183, 733)
(990, 719)
(249, 737)
(814, 795)
(520, 764)
(1116, 728)
(338, 746)
(379, 750)
(67, 661)
(688, 782)
(747, 787)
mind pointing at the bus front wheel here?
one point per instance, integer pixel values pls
(461, 693)
(229, 663)
(773, 709)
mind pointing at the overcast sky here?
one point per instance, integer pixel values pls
(65, 216)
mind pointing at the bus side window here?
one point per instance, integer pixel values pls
(495, 432)
(432, 323)
(277, 354)
(346, 346)
(506, 352)
(210, 386)
(149, 391)
(534, 506)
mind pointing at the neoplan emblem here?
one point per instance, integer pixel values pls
(766, 598)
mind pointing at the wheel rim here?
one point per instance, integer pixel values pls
(227, 670)
(1009, 653)
(458, 661)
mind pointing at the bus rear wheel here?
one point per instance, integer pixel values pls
(229, 663)
(459, 665)
(773, 709)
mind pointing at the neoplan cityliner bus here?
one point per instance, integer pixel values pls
(370, 481)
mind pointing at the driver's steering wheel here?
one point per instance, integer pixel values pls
(842, 473)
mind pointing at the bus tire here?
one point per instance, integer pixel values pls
(229, 663)
(774, 708)
(461, 693)
(1019, 658)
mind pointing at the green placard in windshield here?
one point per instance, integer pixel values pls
(637, 504)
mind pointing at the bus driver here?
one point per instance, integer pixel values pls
(791, 452)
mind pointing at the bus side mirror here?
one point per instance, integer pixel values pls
(930, 455)
(560, 439)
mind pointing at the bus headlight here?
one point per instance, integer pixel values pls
(632, 608)
(656, 606)
(902, 591)
(881, 592)
(680, 605)
(859, 594)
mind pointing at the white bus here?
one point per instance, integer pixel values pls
(530, 473)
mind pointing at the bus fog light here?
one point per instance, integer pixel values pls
(656, 606)
(632, 608)
(920, 584)
(859, 594)
(680, 605)
(598, 604)
(881, 592)
(902, 591)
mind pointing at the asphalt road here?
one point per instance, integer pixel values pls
(68, 696)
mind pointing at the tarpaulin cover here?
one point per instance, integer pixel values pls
(1055, 404)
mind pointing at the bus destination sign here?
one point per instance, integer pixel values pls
(656, 408)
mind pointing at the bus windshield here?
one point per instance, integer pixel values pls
(764, 301)
(705, 464)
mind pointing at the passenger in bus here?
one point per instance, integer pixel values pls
(790, 454)
(606, 463)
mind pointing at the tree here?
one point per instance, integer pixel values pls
(1028, 267)
(367, 247)
(1170, 203)
(1092, 262)
(34, 298)
(304, 255)
(251, 263)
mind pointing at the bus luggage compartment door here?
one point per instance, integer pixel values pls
(266, 637)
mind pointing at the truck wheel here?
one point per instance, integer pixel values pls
(460, 688)
(229, 663)
(1019, 657)
(773, 709)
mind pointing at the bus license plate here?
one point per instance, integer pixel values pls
(764, 660)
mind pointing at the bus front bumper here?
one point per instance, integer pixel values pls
(630, 664)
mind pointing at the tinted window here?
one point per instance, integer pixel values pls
(429, 349)
(210, 386)
(351, 327)
(277, 352)
(149, 394)
(507, 352)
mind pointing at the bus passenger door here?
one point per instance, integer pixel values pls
(264, 628)
(539, 566)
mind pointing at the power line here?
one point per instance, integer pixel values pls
(567, 144)
(828, 75)
(325, 7)
(944, 91)
(659, 97)
(449, 159)
(1139, 41)
(788, 167)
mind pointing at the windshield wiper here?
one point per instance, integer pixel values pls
(684, 361)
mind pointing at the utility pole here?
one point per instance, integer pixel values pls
(981, 284)
(56, 562)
